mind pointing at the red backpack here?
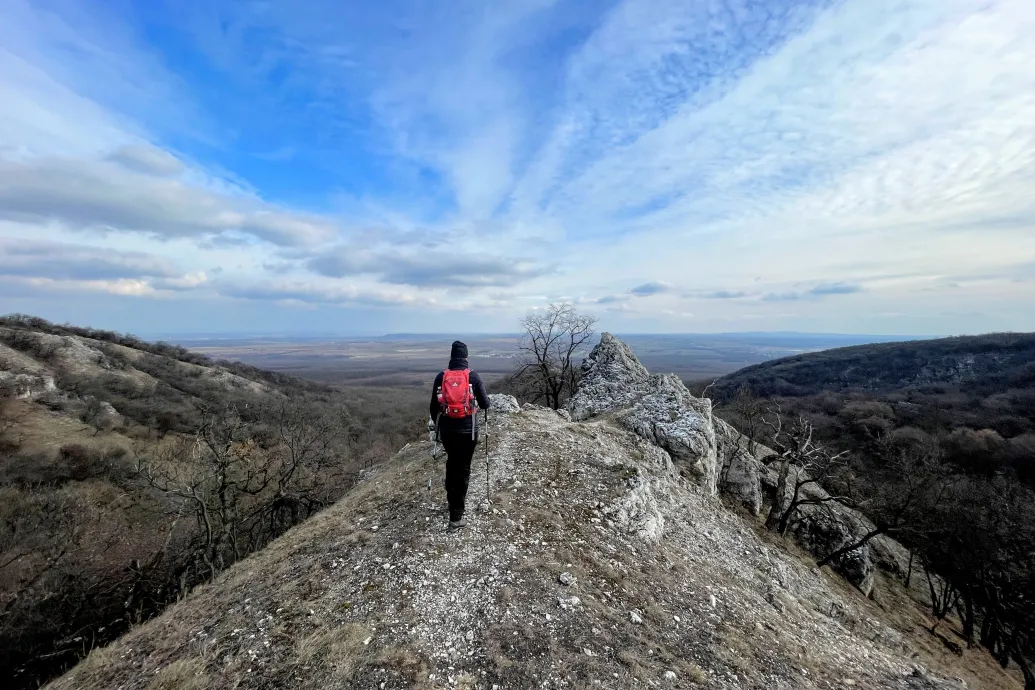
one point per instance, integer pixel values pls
(455, 394)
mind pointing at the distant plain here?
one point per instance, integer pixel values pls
(407, 360)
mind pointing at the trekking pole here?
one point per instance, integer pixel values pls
(486, 456)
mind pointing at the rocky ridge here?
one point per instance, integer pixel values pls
(660, 409)
(602, 557)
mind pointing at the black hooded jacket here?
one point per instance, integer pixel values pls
(448, 425)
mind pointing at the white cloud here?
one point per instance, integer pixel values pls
(99, 195)
(719, 158)
(149, 160)
(323, 292)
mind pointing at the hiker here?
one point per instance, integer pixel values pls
(453, 398)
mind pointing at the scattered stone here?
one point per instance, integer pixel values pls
(567, 579)
(670, 675)
(635, 618)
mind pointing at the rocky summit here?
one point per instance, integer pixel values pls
(611, 545)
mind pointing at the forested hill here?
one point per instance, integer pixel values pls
(983, 365)
(132, 471)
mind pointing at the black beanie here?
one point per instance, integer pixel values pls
(459, 350)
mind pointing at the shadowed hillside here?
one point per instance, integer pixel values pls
(984, 364)
(936, 439)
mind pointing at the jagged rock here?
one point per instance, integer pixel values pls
(921, 679)
(741, 480)
(657, 407)
(566, 579)
(28, 386)
(890, 556)
(640, 512)
(565, 415)
(611, 379)
(505, 404)
(667, 414)
(660, 409)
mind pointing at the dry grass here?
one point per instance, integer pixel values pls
(339, 650)
(406, 664)
(182, 674)
(91, 671)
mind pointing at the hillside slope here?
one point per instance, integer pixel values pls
(110, 463)
(987, 363)
(604, 559)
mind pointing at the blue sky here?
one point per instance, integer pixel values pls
(670, 166)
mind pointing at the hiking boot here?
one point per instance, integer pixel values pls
(457, 524)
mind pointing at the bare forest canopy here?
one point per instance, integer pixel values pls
(983, 363)
(936, 441)
(976, 394)
(132, 471)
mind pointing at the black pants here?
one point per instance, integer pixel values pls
(459, 451)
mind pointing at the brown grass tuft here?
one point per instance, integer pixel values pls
(182, 674)
(338, 650)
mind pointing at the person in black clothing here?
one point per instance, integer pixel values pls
(459, 437)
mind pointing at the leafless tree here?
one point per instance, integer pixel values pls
(912, 482)
(805, 467)
(550, 341)
(308, 453)
(240, 492)
(745, 411)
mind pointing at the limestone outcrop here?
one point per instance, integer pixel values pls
(659, 408)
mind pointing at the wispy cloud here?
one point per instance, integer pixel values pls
(835, 289)
(649, 289)
(315, 293)
(56, 261)
(429, 268)
(96, 195)
(720, 157)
